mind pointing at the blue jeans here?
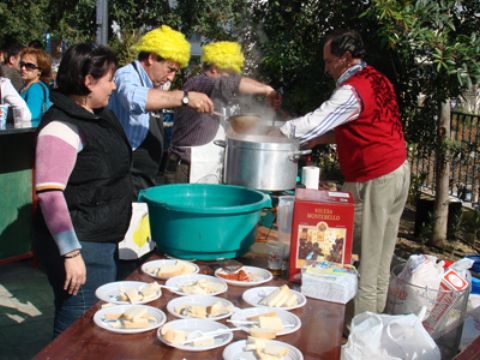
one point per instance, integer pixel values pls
(100, 261)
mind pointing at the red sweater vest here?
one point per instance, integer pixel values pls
(372, 145)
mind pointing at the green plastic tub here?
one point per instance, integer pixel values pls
(203, 221)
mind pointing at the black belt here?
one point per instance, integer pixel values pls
(173, 161)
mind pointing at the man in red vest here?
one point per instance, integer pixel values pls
(362, 117)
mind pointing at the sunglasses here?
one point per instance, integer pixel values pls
(27, 65)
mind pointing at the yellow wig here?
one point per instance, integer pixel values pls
(226, 55)
(166, 43)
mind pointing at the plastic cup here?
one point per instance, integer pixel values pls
(284, 217)
(19, 120)
(3, 116)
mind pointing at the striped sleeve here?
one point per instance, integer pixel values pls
(343, 106)
(56, 153)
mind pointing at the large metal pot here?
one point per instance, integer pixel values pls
(261, 162)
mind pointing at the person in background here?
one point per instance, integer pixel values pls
(36, 44)
(11, 63)
(362, 117)
(35, 67)
(10, 96)
(193, 156)
(161, 53)
(83, 183)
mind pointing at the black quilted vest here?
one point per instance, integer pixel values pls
(99, 190)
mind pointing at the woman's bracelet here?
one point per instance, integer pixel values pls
(71, 256)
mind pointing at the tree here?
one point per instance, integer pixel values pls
(437, 40)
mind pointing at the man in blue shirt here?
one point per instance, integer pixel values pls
(161, 53)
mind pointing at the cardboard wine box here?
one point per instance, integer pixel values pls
(322, 228)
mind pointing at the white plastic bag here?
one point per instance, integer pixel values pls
(416, 285)
(389, 337)
(138, 241)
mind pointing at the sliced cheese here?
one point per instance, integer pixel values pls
(138, 323)
(150, 291)
(135, 313)
(134, 296)
(272, 323)
(257, 317)
(205, 342)
(174, 336)
(112, 316)
(217, 308)
(197, 311)
(254, 343)
(291, 300)
(262, 333)
(275, 350)
(171, 269)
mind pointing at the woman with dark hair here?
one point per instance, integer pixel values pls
(82, 181)
(36, 71)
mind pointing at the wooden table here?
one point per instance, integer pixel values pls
(319, 337)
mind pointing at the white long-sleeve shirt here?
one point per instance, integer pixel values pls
(343, 106)
(10, 96)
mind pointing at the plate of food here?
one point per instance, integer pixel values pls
(166, 268)
(257, 349)
(258, 320)
(245, 276)
(129, 319)
(129, 292)
(194, 334)
(196, 284)
(273, 296)
(200, 306)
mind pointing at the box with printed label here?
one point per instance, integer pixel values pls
(322, 229)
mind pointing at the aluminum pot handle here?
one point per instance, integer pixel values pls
(220, 143)
(296, 154)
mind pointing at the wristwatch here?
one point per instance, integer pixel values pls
(185, 98)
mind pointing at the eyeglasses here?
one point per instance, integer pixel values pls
(28, 66)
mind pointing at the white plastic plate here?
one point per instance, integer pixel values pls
(257, 275)
(291, 322)
(99, 320)
(111, 292)
(204, 325)
(202, 300)
(236, 351)
(185, 280)
(255, 295)
(150, 267)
